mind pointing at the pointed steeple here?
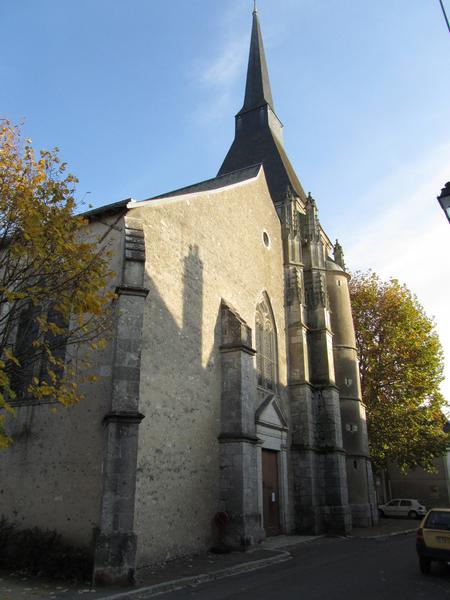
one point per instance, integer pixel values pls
(259, 133)
(257, 89)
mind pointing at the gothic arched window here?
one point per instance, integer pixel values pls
(266, 346)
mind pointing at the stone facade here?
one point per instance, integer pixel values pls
(191, 274)
(211, 423)
(431, 489)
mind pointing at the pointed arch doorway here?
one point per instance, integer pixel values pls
(271, 430)
(271, 424)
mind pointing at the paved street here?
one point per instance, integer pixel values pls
(334, 569)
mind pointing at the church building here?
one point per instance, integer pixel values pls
(228, 403)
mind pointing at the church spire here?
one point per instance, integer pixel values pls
(257, 89)
(259, 133)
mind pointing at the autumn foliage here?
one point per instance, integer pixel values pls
(401, 365)
(52, 280)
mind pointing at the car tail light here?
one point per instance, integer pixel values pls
(420, 535)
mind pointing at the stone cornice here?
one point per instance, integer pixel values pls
(227, 437)
(237, 348)
(315, 387)
(123, 416)
(318, 449)
(128, 290)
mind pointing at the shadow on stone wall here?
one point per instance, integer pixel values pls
(179, 471)
(180, 397)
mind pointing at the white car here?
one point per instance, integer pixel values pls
(402, 507)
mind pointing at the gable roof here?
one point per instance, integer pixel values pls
(215, 183)
(222, 181)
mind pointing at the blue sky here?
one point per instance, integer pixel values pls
(140, 95)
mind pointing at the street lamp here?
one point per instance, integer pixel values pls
(444, 199)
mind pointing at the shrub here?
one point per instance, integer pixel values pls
(42, 552)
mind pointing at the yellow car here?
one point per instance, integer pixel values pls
(433, 538)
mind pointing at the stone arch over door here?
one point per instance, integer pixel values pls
(271, 424)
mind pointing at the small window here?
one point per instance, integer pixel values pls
(393, 503)
(266, 239)
(405, 502)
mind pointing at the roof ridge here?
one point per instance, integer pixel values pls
(204, 183)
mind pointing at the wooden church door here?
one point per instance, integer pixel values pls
(271, 492)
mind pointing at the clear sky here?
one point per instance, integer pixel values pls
(140, 95)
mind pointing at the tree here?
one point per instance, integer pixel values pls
(53, 280)
(401, 366)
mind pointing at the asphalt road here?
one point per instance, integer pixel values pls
(334, 569)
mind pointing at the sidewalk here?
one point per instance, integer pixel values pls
(386, 528)
(164, 577)
(180, 573)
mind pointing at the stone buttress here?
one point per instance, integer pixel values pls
(115, 545)
(238, 442)
(317, 453)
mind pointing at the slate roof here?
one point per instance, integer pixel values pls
(106, 208)
(256, 142)
(218, 182)
(215, 183)
(257, 88)
(258, 136)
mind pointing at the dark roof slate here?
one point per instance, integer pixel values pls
(106, 208)
(258, 133)
(221, 181)
(216, 183)
(257, 89)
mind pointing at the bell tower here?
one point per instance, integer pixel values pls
(258, 131)
(331, 479)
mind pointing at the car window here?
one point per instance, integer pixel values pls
(393, 503)
(438, 520)
(405, 503)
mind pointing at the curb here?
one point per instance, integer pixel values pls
(385, 535)
(176, 584)
(309, 540)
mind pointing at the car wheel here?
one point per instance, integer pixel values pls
(412, 514)
(425, 565)
(380, 513)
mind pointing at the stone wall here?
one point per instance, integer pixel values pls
(51, 477)
(201, 249)
(432, 489)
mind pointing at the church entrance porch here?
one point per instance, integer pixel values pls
(271, 493)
